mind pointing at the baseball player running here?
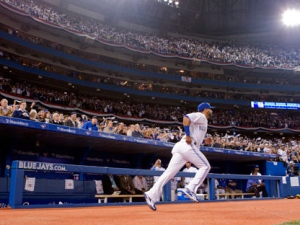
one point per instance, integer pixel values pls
(186, 150)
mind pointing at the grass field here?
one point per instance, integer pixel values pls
(296, 222)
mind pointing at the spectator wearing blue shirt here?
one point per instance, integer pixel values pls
(91, 125)
(21, 112)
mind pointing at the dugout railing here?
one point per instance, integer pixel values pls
(19, 168)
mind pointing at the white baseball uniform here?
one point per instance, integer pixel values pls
(182, 153)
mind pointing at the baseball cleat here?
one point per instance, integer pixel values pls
(191, 195)
(149, 202)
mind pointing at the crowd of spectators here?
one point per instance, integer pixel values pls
(158, 112)
(144, 86)
(226, 52)
(287, 151)
(252, 79)
(264, 56)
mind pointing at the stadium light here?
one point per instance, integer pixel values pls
(291, 17)
(172, 3)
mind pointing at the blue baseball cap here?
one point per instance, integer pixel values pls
(256, 166)
(204, 105)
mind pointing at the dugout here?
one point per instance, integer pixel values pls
(40, 142)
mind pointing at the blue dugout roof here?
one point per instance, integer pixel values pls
(18, 132)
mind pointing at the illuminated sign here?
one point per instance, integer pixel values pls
(275, 105)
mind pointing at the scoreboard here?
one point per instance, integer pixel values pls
(275, 105)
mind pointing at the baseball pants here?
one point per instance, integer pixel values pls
(182, 153)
